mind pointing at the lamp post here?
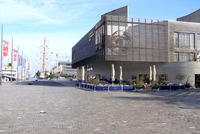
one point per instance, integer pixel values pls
(1, 60)
(1, 54)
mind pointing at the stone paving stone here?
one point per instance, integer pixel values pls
(69, 110)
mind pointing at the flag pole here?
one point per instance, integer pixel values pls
(17, 63)
(22, 67)
(11, 61)
(1, 54)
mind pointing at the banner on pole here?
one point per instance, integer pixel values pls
(15, 55)
(5, 49)
(19, 60)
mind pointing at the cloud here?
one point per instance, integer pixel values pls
(57, 12)
(25, 12)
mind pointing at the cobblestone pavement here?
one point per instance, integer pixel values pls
(43, 109)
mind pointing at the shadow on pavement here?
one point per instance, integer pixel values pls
(51, 83)
(182, 99)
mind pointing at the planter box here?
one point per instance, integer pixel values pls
(101, 88)
(77, 84)
(128, 88)
(104, 88)
(91, 87)
(115, 88)
(172, 87)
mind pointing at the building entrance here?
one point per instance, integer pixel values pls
(197, 80)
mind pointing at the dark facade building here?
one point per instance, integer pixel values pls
(136, 44)
(193, 17)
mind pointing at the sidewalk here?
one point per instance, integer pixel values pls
(52, 109)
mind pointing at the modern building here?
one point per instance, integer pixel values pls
(136, 44)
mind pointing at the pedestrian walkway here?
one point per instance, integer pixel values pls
(52, 109)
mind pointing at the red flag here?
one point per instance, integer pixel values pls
(14, 55)
(5, 49)
(28, 68)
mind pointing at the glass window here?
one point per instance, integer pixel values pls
(192, 57)
(176, 39)
(191, 41)
(184, 40)
(181, 40)
(198, 41)
(183, 57)
(175, 57)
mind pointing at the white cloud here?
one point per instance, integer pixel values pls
(27, 12)
(44, 11)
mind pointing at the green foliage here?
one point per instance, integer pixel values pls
(51, 76)
(37, 74)
(140, 86)
(64, 75)
(187, 85)
(195, 58)
(94, 80)
(155, 86)
(67, 75)
(132, 82)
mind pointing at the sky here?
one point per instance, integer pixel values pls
(64, 22)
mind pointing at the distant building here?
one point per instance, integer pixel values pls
(136, 44)
(65, 67)
(9, 74)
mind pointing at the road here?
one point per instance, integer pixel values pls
(57, 107)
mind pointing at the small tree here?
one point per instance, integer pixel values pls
(37, 74)
(187, 84)
(50, 76)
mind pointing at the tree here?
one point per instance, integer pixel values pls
(38, 74)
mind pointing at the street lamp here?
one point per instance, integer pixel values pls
(1, 54)
(56, 61)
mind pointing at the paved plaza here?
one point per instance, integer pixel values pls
(51, 107)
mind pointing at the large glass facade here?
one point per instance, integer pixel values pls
(135, 40)
(100, 36)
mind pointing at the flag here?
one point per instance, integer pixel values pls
(24, 62)
(5, 49)
(14, 55)
(19, 60)
(28, 66)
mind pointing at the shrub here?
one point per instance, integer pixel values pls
(187, 85)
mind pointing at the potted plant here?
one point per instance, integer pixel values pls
(187, 85)
(155, 87)
(139, 87)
